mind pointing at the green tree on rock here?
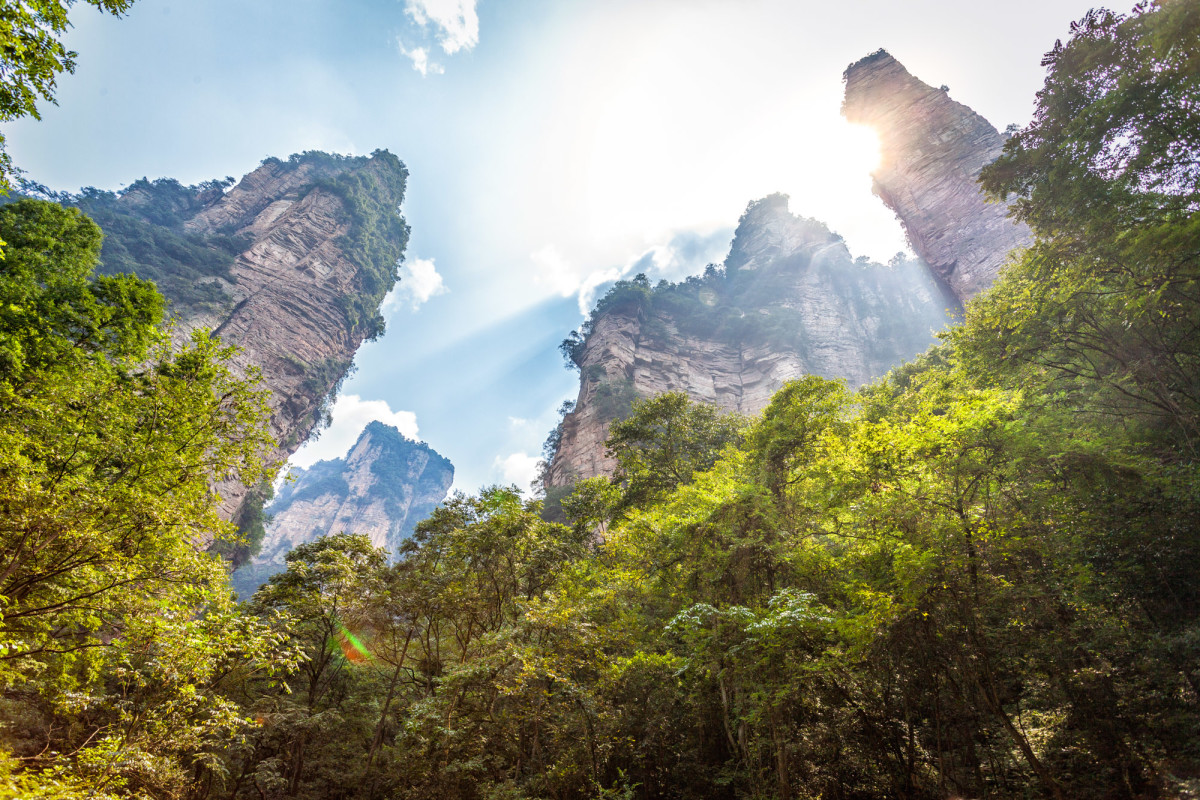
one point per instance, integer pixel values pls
(665, 441)
(116, 629)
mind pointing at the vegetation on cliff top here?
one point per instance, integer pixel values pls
(975, 577)
(144, 236)
(378, 234)
(746, 306)
(372, 190)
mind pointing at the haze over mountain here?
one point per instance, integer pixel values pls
(381, 488)
(788, 300)
(818, 525)
(561, 146)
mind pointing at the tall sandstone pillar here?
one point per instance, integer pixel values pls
(933, 150)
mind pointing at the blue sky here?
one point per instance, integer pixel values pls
(553, 147)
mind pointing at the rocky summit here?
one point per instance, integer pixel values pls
(382, 488)
(932, 151)
(790, 301)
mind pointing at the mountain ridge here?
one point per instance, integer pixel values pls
(384, 485)
(290, 264)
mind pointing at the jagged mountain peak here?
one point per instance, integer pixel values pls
(768, 230)
(932, 149)
(791, 302)
(290, 264)
(384, 485)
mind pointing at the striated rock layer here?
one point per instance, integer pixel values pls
(384, 486)
(932, 150)
(848, 320)
(297, 300)
(791, 302)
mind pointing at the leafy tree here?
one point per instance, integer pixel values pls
(592, 504)
(53, 314)
(113, 622)
(400, 691)
(793, 425)
(1106, 176)
(307, 742)
(665, 441)
(32, 56)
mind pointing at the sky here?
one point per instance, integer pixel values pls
(553, 146)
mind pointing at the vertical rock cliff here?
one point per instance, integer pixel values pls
(290, 265)
(789, 302)
(384, 486)
(933, 149)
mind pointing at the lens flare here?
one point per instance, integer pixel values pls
(352, 648)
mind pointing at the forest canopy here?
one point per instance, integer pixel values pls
(975, 577)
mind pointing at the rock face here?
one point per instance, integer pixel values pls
(843, 319)
(384, 486)
(791, 302)
(933, 149)
(299, 297)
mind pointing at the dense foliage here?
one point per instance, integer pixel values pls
(116, 629)
(973, 578)
(1109, 292)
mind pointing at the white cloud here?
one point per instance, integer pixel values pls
(518, 468)
(419, 281)
(420, 60)
(590, 286)
(683, 253)
(455, 22)
(566, 278)
(554, 271)
(350, 415)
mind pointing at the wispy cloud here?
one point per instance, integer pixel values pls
(563, 276)
(420, 60)
(419, 281)
(454, 23)
(684, 253)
